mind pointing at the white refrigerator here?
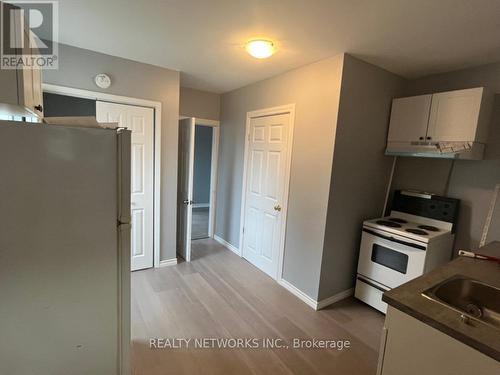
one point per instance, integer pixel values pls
(64, 250)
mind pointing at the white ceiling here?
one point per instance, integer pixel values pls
(204, 39)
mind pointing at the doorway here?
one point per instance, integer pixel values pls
(140, 121)
(198, 151)
(203, 142)
(143, 118)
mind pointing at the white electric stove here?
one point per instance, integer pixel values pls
(416, 237)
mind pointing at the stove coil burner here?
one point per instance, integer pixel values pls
(430, 228)
(398, 220)
(417, 231)
(389, 223)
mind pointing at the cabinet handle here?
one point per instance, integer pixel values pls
(429, 138)
(421, 138)
(39, 108)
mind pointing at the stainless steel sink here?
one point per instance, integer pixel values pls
(471, 298)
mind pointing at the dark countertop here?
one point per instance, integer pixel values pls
(408, 299)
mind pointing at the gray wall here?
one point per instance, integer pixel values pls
(470, 181)
(360, 172)
(201, 104)
(315, 90)
(202, 163)
(77, 68)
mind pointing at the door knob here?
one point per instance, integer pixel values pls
(277, 208)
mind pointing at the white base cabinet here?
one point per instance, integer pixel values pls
(411, 347)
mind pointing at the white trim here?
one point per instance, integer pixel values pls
(213, 180)
(337, 297)
(298, 293)
(168, 262)
(70, 91)
(227, 245)
(202, 121)
(311, 302)
(289, 108)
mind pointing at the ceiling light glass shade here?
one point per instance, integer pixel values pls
(260, 49)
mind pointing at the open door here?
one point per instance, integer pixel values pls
(185, 195)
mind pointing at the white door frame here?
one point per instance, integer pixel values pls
(289, 108)
(215, 125)
(101, 96)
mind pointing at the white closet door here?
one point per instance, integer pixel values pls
(140, 121)
(267, 161)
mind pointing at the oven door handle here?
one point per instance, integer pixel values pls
(392, 239)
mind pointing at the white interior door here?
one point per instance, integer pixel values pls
(267, 162)
(185, 195)
(140, 121)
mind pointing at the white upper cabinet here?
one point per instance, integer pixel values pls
(452, 116)
(409, 118)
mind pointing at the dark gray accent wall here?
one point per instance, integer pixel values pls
(202, 164)
(360, 172)
(78, 67)
(470, 181)
(62, 106)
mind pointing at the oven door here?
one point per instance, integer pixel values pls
(389, 259)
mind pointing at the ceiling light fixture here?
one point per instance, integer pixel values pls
(260, 48)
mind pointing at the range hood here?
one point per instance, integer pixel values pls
(445, 150)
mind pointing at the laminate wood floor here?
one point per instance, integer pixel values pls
(220, 295)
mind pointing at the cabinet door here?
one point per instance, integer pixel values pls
(26, 88)
(25, 75)
(454, 115)
(409, 118)
(37, 91)
(36, 85)
(9, 82)
(415, 348)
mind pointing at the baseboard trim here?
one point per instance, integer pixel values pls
(316, 305)
(168, 262)
(337, 297)
(298, 293)
(227, 245)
